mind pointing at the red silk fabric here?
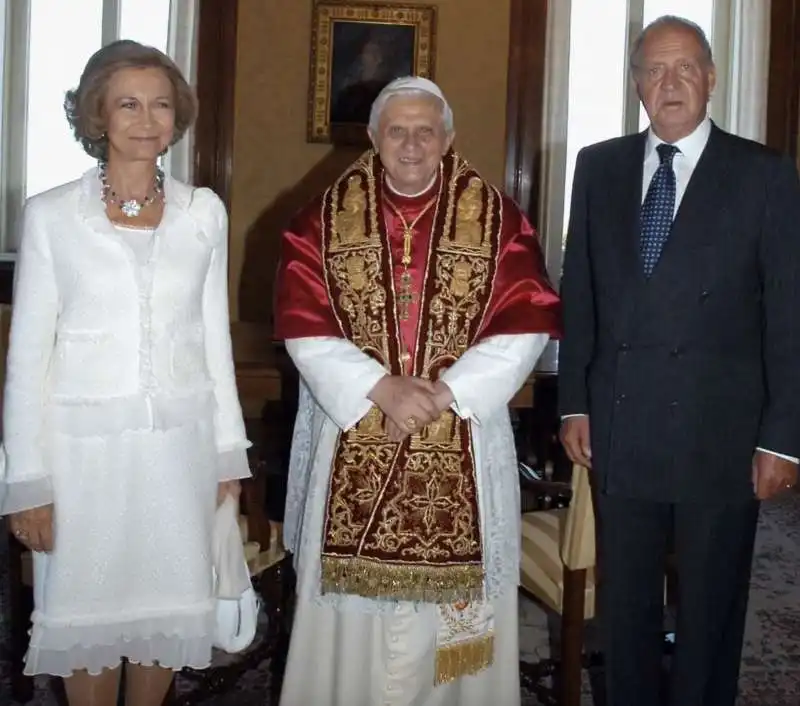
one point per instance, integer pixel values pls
(523, 300)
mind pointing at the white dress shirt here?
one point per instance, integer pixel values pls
(683, 164)
(691, 149)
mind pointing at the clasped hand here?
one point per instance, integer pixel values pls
(409, 403)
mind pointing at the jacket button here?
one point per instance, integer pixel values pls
(624, 347)
(620, 399)
(676, 352)
(673, 404)
(704, 295)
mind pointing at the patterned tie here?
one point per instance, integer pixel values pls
(658, 209)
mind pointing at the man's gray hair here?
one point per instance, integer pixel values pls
(635, 55)
(410, 86)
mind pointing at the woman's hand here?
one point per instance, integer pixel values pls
(34, 528)
(228, 487)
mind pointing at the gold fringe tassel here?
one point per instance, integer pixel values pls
(468, 657)
(402, 582)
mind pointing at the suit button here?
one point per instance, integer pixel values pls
(704, 295)
(624, 347)
(676, 352)
(673, 404)
(620, 399)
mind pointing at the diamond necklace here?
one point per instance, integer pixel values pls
(129, 207)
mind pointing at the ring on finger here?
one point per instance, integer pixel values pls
(411, 423)
(21, 535)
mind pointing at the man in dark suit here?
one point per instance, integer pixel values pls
(680, 368)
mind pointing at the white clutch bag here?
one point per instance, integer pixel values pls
(237, 604)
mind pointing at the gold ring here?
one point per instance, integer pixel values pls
(411, 423)
(21, 535)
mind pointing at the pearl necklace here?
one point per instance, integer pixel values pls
(129, 207)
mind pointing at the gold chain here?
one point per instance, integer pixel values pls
(408, 230)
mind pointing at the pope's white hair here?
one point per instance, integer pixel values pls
(410, 86)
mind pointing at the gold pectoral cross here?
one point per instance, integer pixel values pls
(406, 296)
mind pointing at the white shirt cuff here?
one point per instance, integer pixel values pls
(783, 456)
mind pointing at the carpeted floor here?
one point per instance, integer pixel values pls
(771, 662)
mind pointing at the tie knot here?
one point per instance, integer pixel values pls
(666, 152)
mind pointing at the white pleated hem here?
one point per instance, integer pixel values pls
(172, 641)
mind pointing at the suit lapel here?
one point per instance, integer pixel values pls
(706, 193)
(625, 198)
(631, 200)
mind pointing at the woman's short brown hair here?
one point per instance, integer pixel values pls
(85, 105)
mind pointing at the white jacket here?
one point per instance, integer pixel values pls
(100, 345)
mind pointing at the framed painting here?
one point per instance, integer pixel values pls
(356, 49)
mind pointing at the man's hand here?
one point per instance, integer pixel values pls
(394, 432)
(576, 439)
(226, 488)
(34, 528)
(772, 475)
(408, 402)
(442, 398)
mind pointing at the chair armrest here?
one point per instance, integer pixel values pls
(538, 495)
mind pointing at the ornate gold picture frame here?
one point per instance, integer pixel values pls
(356, 49)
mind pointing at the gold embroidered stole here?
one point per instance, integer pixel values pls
(402, 520)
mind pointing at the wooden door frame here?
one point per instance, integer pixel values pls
(525, 103)
(783, 98)
(216, 78)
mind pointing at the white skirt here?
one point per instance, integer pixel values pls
(130, 574)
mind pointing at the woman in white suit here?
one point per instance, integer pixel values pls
(122, 426)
